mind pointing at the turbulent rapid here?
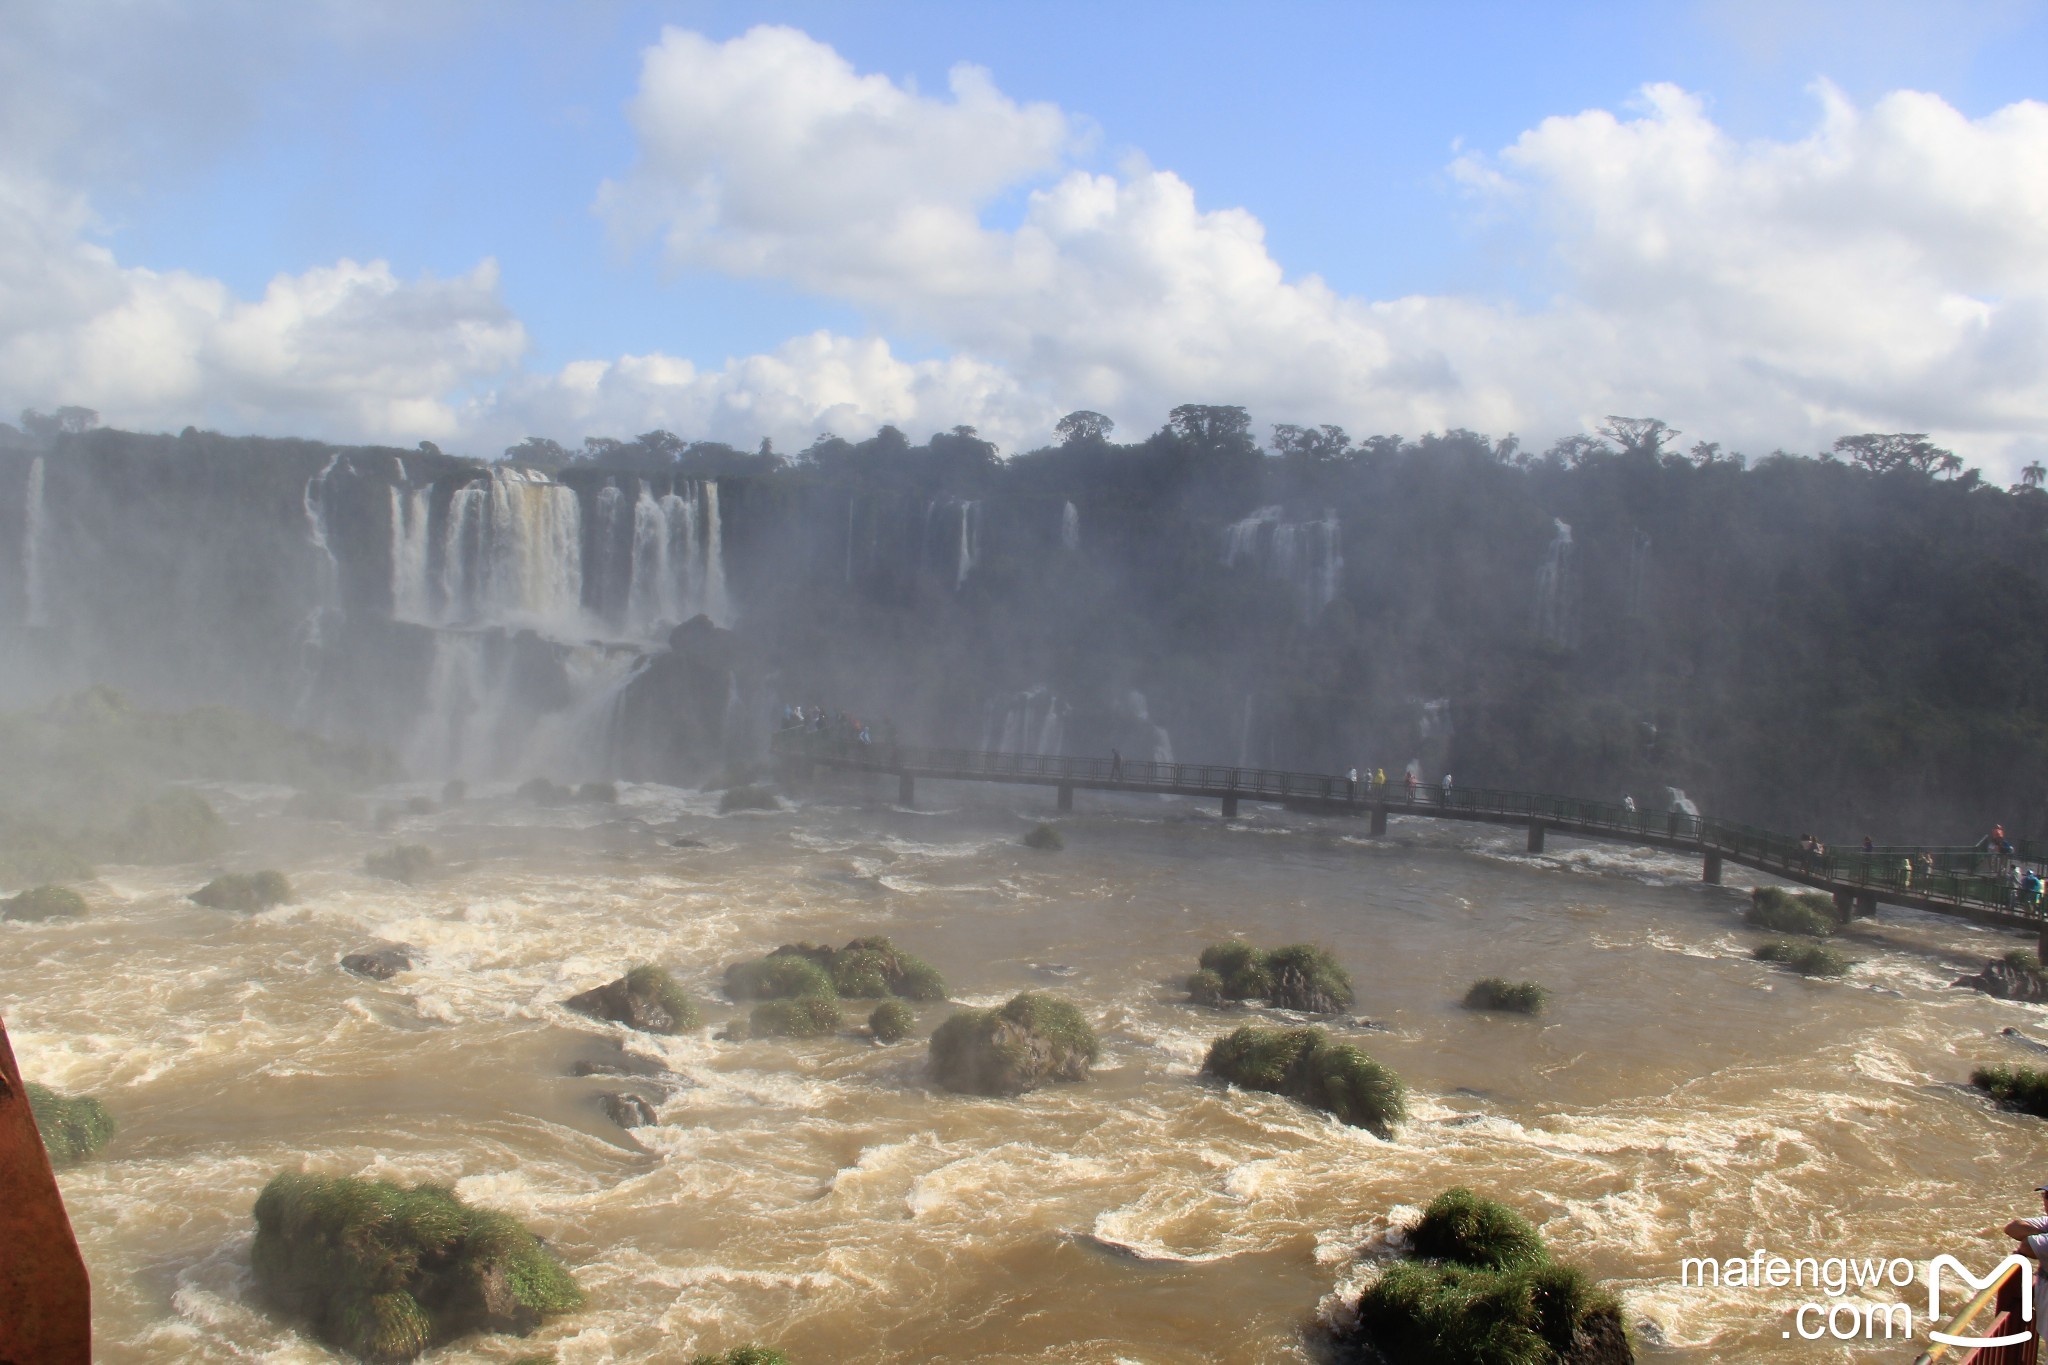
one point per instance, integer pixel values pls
(1678, 1099)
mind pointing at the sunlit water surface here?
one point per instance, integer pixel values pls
(1678, 1100)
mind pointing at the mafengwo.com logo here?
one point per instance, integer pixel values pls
(1873, 1300)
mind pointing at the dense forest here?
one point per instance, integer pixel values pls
(1847, 642)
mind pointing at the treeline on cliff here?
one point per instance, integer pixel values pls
(1846, 642)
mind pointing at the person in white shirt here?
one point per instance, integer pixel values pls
(2032, 1233)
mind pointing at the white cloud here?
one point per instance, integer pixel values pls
(346, 349)
(1885, 272)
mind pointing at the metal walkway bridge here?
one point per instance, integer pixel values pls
(1972, 883)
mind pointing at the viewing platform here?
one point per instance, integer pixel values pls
(1971, 883)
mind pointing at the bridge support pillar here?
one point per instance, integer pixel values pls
(1066, 796)
(1845, 906)
(1710, 870)
(1866, 905)
(1536, 828)
(906, 789)
(2041, 944)
(1230, 808)
(1379, 819)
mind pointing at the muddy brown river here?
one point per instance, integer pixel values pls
(1679, 1099)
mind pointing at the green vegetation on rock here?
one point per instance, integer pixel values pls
(891, 1021)
(384, 1272)
(1486, 1292)
(2019, 1087)
(806, 1016)
(1788, 912)
(747, 798)
(1046, 838)
(402, 863)
(1299, 976)
(73, 1126)
(870, 968)
(744, 1355)
(1516, 997)
(245, 891)
(645, 998)
(43, 902)
(1033, 1039)
(1305, 1064)
(2023, 960)
(1808, 959)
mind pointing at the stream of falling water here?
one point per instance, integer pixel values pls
(1679, 1099)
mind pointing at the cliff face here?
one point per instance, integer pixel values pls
(1801, 643)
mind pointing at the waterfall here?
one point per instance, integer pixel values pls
(461, 546)
(1244, 734)
(715, 603)
(970, 542)
(33, 531)
(327, 589)
(1555, 610)
(651, 595)
(1162, 743)
(1308, 556)
(534, 561)
(1070, 528)
(1030, 722)
(609, 589)
(461, 712)
(411, 599)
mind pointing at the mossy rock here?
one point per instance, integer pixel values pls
(1299, 977)
(385, 1272)
(747, 798)
(1513, 997)
(1808, 959)
(1045, 838)
(1306, 1064)
(807, 1016)
(870, 968)
(74, 1127)
(1033, 1039)
(744, 1355)
(1811, 913)
(1485, 1291)
(401, 863)
(177, 827)
(779, 976)
(543, 792)
(1482, 1233)
(892, 1021)
(2023, 960)
(2024, 1088)
(645, 998)
(43, 902)
(599, 793)
(245, 891)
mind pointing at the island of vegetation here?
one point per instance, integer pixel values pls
(1512, 997)
(1482, 1289)
(385, 1272)
(645, 998)
(245, 891)
(870, 968)
(43, 902)
(1306, 1064)
(1299, 977)
(1811, 913)
(2024, 1088)
(74, 1127)
(1033, 1039)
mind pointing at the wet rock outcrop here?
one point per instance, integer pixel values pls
(645, 998)
(385, 1272)
(2008, 978)
(1033, 1039)
(379, 964)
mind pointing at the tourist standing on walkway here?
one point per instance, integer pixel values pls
(1116, 766)
(1351, 785)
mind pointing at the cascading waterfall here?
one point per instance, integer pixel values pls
(970, 543)
(1162, 743)
(1306, 555)
(1555, 608)
(327, 589)
(1030, 722)
(716, 604)
(534, 563)
(410, 511)
(33, 531)
(1070, 528)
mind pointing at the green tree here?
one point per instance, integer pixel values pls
(1646, 436)
(1083, 425)
(1884, 452)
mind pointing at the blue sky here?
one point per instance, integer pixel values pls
(433, 138)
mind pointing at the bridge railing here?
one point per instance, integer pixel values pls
(1964, 877)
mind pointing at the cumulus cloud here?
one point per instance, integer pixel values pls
(1884, 272)
(347, 349)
